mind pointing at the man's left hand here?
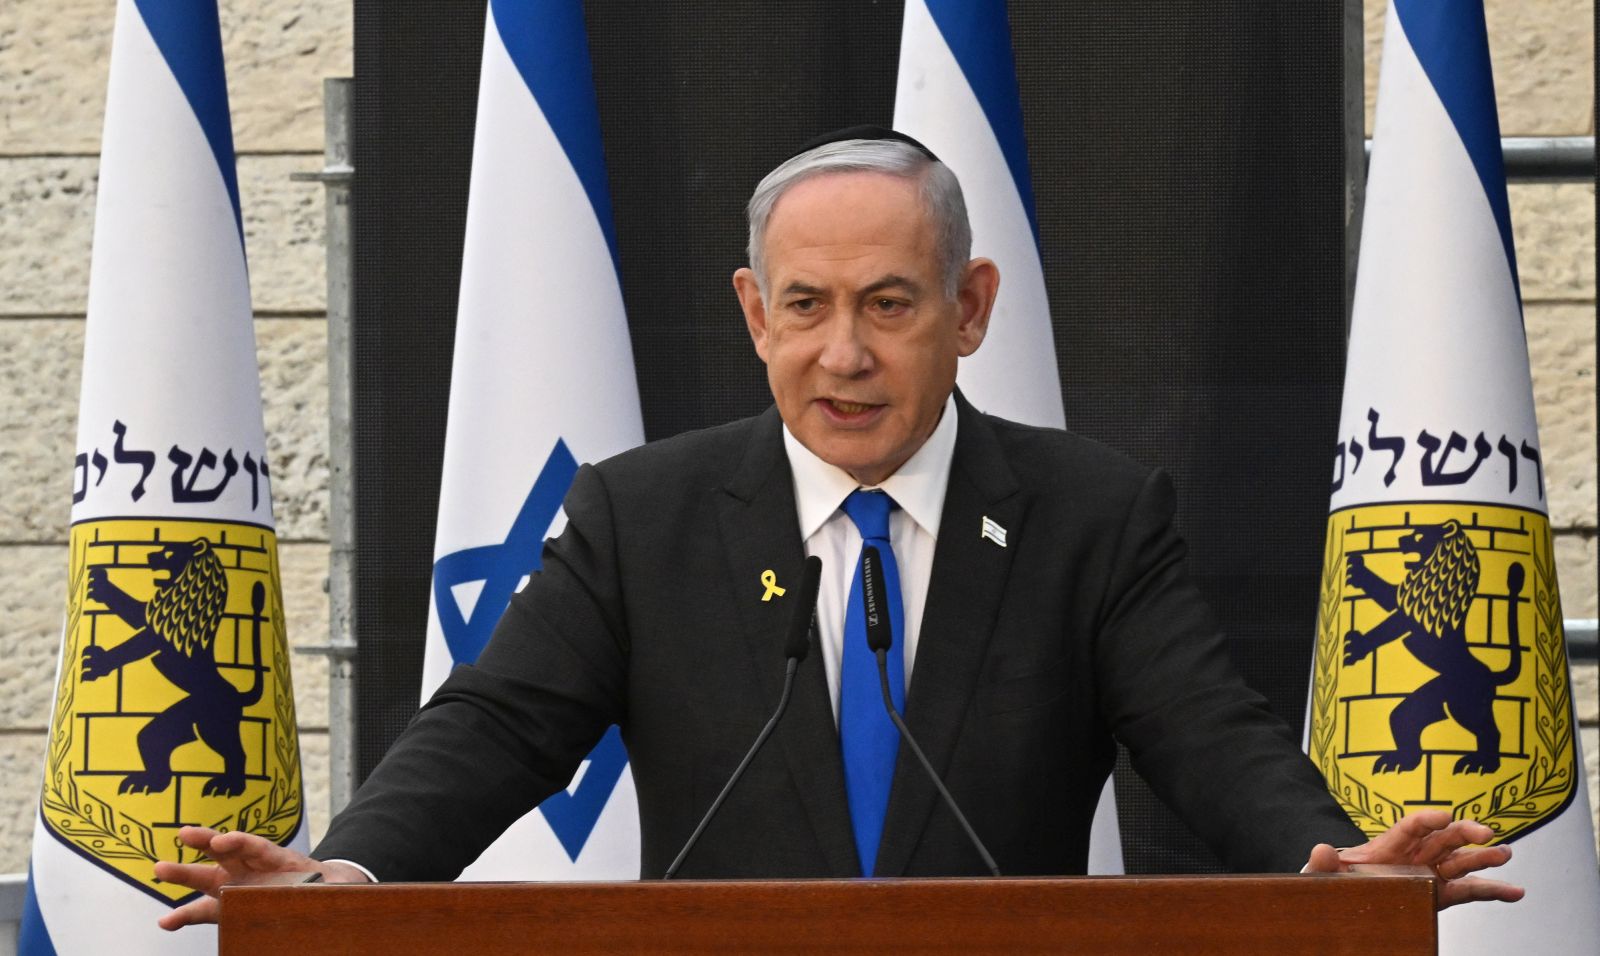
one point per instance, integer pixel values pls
(1431, 839)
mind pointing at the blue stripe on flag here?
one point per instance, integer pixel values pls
(979, 36)
(1451, 41)
(33, 939)
(189, 36)
(549, 44)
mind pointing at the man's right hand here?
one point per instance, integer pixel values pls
(240, 858)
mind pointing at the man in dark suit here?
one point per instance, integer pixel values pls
(1046, 611)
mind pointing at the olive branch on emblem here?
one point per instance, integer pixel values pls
(67, 691)
(1323, 688)
(1526, 798)
(1365, 807)
(73, 813)
(109, 834)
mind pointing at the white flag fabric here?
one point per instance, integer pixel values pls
(957, 94)
(542, 378)
(174, 703)
(1440, 679)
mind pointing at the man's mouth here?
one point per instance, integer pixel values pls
(850, 408)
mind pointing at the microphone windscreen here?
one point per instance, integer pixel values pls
(798, 642)
(880, 633)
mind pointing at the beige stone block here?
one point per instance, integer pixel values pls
(1543, 54)
(47, 224)
(40, 367)
(1374, 12)
(33, 604)
(283, 234)
(1543, 59)
(305, 603)
(1591, 767)
(1576, 569)
(1554, 231)
(278, 55)
(40, 363)
(53, 71)
(1561, 355)
(314, 767)
(294, 389)
(21, 774)
(54, 61)
(1586, 692)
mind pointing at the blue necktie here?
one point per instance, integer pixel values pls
(867, 737)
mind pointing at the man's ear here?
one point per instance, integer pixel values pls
(980, 283)
(748, 290)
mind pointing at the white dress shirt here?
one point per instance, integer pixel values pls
(918, 487)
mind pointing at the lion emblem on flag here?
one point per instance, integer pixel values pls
(176, 630)
(174, 705)
(1428, 613)
(1440, 675)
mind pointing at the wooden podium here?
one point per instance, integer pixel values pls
(1380, 910)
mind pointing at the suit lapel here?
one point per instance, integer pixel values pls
(760, 532)
(964, 594)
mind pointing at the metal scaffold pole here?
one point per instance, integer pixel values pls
(340, 650)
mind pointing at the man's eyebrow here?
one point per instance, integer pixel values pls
(892, 282)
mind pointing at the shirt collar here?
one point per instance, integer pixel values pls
(918, 487)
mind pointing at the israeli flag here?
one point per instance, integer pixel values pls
(1438, 423)
(172, 511)
(957, 93)
(542, 378)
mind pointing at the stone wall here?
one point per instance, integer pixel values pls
(53, 56)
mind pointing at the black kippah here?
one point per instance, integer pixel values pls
(862, 132)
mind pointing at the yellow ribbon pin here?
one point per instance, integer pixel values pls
(769, 581)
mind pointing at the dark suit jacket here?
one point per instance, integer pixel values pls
(1032, 656)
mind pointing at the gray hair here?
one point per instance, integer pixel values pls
(941, 195)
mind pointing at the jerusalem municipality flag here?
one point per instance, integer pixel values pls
(1440, 677)
(543, 378)
(173, 704)
(957, 94)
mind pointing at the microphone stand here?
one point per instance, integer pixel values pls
(796, 645)
(783, 703)
(905, 734)
(880, 639)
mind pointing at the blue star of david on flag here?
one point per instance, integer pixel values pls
(501, 569)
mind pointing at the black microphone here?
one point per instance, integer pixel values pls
(795, 646)
(880, 639)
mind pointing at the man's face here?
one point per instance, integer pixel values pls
(859, 338)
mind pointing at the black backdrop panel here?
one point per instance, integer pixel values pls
(1188, 170)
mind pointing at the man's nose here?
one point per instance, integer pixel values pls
(845, 352)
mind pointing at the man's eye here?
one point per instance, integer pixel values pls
(805, 305)
(890, 306)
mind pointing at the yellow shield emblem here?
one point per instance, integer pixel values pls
(1441, 674)
(174, 705)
